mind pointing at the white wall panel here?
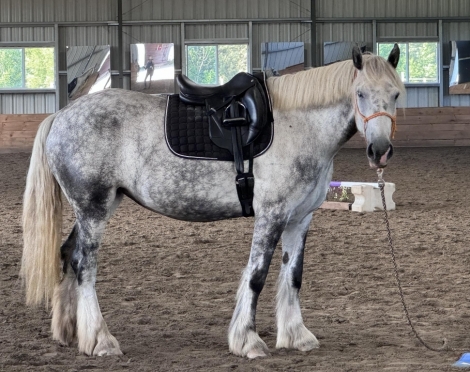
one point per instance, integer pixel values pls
(57, 10)
(27, 103)
(215, 9)
(216, 31)
(344, 32)
(408, 29)
(85, 35)
(422, 97)
(391, 9)
(27, 34)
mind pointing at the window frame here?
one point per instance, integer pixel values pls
(411, 40)
(23, 46)
(215, 42)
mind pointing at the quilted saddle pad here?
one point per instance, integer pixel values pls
(187, 133)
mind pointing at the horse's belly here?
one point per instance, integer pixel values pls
(191, 190)
(189, 208)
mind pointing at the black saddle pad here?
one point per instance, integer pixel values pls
(187, 133)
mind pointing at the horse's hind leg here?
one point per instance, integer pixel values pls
(75, 309)
(292, 333)
(94, 337)
(64, 301)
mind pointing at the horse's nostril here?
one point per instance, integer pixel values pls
(370, 151)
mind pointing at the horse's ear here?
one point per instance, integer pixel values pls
(357, 57)
(394, 56)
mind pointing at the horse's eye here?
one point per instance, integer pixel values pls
(396, 96)
(360, 95)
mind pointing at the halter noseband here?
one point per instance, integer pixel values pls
(366, 119)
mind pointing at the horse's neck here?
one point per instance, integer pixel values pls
(342, 123)
(326, 128)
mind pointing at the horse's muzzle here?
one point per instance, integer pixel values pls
(379, 154)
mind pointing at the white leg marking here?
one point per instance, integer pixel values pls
(93, 335)
(291, 331)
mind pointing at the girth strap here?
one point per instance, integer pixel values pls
(245, 187)
(235, 117)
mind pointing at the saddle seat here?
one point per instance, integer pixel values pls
(193, 93)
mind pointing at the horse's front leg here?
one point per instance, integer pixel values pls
(242, 338)
(291, 332)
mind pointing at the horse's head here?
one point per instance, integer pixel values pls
(376, 88)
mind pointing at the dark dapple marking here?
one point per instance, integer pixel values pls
(297, 269)
(285, 258)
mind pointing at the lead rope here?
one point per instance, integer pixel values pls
(444, 347)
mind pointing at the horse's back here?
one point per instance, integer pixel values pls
(107, 115)
(98, 131)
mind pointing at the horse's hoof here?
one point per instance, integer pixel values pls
(256, 348)
(107, 345)
(106, 352)
(302, 339)
(257, 353)
(250, 346)
(308, 345)
(307, 342)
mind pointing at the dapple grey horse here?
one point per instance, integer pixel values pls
(108, 145)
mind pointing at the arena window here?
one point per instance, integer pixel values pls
(419, 61)
(27, 68)
(215, 64)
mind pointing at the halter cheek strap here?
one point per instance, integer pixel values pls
(366, 119)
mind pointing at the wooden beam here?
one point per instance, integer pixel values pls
(460, 89)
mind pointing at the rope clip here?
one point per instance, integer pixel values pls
(380, 172)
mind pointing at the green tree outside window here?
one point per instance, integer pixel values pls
(215, 64)
(418, 61)
(11, 68)
(232, 60)
(39, 68)
(423, 62)
(202, 64)
(27, 68)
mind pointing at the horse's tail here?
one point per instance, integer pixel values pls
(42, 224)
